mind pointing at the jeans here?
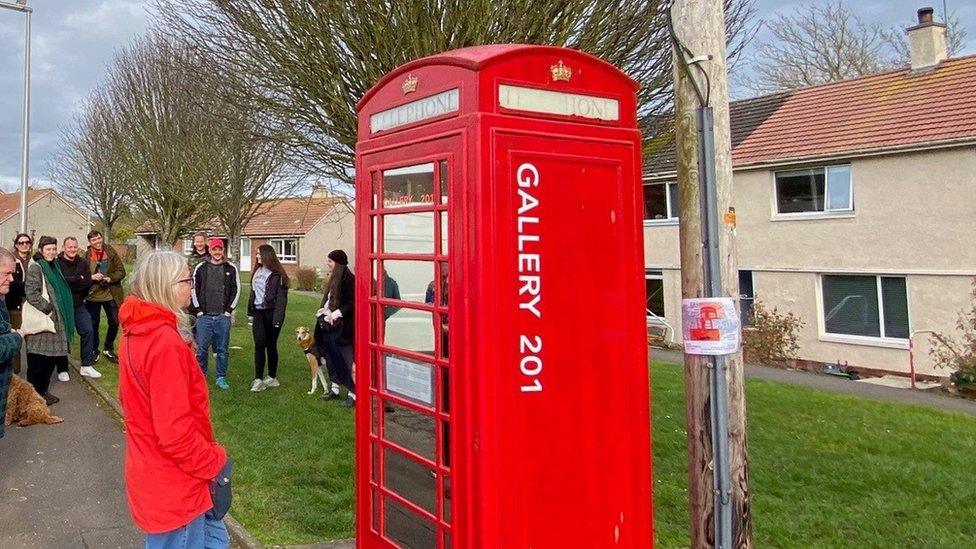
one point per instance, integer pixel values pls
(200, 533)
(83, 325)
(111, 314)
(215, 330)
(340, 369)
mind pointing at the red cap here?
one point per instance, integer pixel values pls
(216, 243)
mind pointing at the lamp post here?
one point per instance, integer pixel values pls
(21, 6)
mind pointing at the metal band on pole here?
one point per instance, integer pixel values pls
(718, 383)
(25, 147)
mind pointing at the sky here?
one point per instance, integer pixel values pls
(74, 41)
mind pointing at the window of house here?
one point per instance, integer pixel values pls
(870, 306)
(654, 284)
(286, 248)
(661, 202)
(815, 190)
(187, 246)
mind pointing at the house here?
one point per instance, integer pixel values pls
(855, 203)
(48, 213)
(302, 230)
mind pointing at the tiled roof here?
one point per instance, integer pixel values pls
(10, 202)
(885, 111)
(279, 217)
(289, 216)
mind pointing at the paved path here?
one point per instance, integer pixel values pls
(61, 485)
(929, 398)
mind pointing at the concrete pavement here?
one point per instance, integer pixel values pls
(61, 485)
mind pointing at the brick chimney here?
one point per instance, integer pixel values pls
(927, 41)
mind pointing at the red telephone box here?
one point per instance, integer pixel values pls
(501, 347)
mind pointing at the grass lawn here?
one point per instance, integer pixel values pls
(826, 470)
(830, 470)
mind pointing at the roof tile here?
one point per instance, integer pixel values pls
(887, 110)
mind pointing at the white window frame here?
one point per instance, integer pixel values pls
(187, 246)
(883, 341)
(668, 199)
(656, 274)
(280, 249)
(817, 214)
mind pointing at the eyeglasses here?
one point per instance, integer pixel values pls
(185, 281)
(24, 243)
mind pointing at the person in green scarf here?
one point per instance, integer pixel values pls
(46, 350)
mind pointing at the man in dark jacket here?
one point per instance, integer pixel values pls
(106, 293)
(10, 340)
(200, 251)
(216, 289)
(77, 273)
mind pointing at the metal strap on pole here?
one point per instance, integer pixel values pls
(25, 146)
(718, 390)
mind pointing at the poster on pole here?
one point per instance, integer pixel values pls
(710, 326)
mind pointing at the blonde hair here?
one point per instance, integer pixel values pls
(155, 280)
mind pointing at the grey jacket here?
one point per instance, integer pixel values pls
(44, 343)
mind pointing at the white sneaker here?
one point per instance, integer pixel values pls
(257, 386)
(270, 382)
(63, 376)
(89, 371)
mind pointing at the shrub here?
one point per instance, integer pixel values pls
(306, 279)
(959, 355)
(771, 336)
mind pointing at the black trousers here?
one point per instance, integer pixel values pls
(340, 370)
(111, 315)
(40, 368)
(265, 343)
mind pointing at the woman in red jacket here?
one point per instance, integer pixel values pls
(170, 452)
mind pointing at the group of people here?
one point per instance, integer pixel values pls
(214, 297)
(54, 294)
(179, 308)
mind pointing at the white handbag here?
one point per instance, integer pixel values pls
(33, 321)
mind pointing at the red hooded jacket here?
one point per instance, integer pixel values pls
(170, 450)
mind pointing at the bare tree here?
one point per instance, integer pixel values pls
(819, 43)
(254, 174)
(166, 140)
(89, 171)
(308, 63)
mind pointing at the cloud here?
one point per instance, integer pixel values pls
(72, 44)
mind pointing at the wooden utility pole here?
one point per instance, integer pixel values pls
(713, 405)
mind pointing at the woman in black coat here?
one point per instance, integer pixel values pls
(267, 304)
(334, 326)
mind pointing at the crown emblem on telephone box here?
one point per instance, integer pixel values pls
(560, 72)
(410, 83)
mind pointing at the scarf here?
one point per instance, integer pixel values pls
(62, 296)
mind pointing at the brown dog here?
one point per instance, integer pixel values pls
(26, 407)
(307, 343)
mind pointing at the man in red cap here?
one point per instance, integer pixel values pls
(216, 290)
